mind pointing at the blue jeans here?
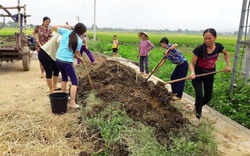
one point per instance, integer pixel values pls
(180, 71)
(144, 60)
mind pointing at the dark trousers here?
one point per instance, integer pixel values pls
(48, 64)
(67, 70)
(180, 71)
(207, 83)
(144, 60)
(114, 50)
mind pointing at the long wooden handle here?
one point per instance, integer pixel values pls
(87, 73)
(165, 57)
(199, 75)
(155, 68)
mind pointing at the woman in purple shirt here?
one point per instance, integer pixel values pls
(144, 48)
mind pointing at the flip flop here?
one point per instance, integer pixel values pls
(76, 106)
(56, 89)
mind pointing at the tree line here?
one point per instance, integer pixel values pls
(180, 31)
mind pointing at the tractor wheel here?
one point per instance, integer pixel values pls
(26, 59)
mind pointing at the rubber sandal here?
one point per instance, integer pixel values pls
(74, 106)
(42, 75)
(175, 98)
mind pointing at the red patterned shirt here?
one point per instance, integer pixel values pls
(207, 61)
(44, 34)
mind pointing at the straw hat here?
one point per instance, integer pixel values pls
(140, 33)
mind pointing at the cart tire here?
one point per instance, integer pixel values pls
(26, 59)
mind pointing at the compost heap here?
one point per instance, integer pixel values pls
(143, 101)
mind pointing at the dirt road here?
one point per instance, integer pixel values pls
(28, 126)
(23, 89)
(27, 91)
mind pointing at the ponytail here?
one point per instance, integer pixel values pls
(79, 29)
(73, 40)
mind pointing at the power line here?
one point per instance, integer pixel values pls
(87, 10)
(94, 19)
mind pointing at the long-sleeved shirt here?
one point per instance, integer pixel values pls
(175, 56)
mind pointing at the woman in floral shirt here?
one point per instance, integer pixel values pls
(42, 34)
(181, 69)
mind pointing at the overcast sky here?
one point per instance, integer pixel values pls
(223, 15)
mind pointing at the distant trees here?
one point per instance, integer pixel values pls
(11, 24)
(186, 31)
(92, 27)
(14, 24)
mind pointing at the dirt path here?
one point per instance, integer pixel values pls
(232, 138)
(21, 90)
(24, 103)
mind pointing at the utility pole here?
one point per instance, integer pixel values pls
(94, 20)
(241, 42)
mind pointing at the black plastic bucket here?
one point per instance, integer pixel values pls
(59, 102)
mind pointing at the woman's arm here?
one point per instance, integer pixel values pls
(173, 46)
(117, 44)
(77, 55)
(35, 34)
(50, 32)
(226, 57)
(139, 51)
(191, 66)
(55, 27)
(151, 46)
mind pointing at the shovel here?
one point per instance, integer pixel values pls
(199, 75)
(87, 73)
(163, 59)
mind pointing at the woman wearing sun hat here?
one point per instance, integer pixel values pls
(144, 48)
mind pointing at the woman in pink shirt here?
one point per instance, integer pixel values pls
(144, 48)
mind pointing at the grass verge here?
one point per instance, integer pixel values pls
(122, 135)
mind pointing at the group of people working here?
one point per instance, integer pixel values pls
(57, 52)
(203, 61)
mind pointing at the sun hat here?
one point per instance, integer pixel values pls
(140, 33)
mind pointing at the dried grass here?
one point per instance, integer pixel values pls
(33, 133)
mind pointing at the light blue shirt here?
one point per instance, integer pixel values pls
(64, 53)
